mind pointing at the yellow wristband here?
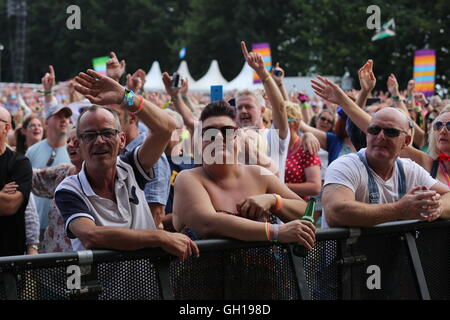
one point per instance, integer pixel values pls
(267, 78)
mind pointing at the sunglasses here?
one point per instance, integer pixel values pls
(388, 132)
(52, 158)
(326, 120)
(107, 135)
(226, 131)
(439, 124)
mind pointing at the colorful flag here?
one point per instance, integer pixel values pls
(100, 65)
(425, 71)
(182, 53)
(387, 30)
(264, 50)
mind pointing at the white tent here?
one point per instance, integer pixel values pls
(183, 70)
(213, 77)
(153, 80)
(244, 80)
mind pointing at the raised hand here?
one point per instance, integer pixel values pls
(114, 68)
(167, 80)
(411, 87)
(99, 89)
(254, 60)
(184, 87)
(392, 85)
(136, 81)
(366, 76)
(48, 80)
(278, 79)
(328, 90)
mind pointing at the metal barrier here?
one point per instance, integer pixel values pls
(402, 260)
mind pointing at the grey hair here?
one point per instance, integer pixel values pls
(94, 108)
(257, 95)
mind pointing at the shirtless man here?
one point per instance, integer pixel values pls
(226, 199)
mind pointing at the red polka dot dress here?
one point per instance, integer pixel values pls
(296, 163)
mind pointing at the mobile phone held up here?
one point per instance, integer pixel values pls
(276, 72)
(216, 93)
(176, 80)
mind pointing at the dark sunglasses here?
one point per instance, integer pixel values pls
(107, 135)
(52, 158)
(226, 131)
(327, 120)
(388, 132)
(439, 124)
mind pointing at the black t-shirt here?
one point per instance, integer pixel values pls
(188, 163)
(14, 167)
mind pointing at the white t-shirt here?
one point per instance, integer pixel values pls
(277, 148)
(349, 171)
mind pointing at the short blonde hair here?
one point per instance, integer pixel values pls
(257, 95)
(293, 111)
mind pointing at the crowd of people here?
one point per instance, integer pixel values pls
(96, 162)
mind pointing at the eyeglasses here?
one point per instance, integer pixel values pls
(388, 132)
(439, 124)
(326, 120)
(226, 131)
(33, 126)
(107, 135)
(52, 158)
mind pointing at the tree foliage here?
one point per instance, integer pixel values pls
(306, 36)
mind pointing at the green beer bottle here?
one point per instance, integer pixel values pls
(298, 249)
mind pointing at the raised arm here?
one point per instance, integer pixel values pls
(104, 90)
(279, 114)
(48, 82)
(367, 82)
(278, 74)
(178, 101)
(331, 92)
(114, 68)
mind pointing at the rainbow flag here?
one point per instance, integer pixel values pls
(425, 71)
(264, 50)
(100, 65)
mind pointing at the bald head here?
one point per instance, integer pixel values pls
(5, 115)
(393, 115)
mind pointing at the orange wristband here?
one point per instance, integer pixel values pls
(278, 204)
(141, 105)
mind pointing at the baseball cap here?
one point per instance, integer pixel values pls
(51, 111)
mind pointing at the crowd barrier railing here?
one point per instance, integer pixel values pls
(400, 260)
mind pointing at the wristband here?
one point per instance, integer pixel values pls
(266, 227)
(47, 93)
(275, 233)
(141, 105)
(128, 97)
(305, 106)
(395, 98)
(167, 104)
(267, 78)
(278, 204)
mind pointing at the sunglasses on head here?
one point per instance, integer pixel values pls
(52, 158)
(439, 124)
(326, 120)
(226, 131)
(388, 132)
